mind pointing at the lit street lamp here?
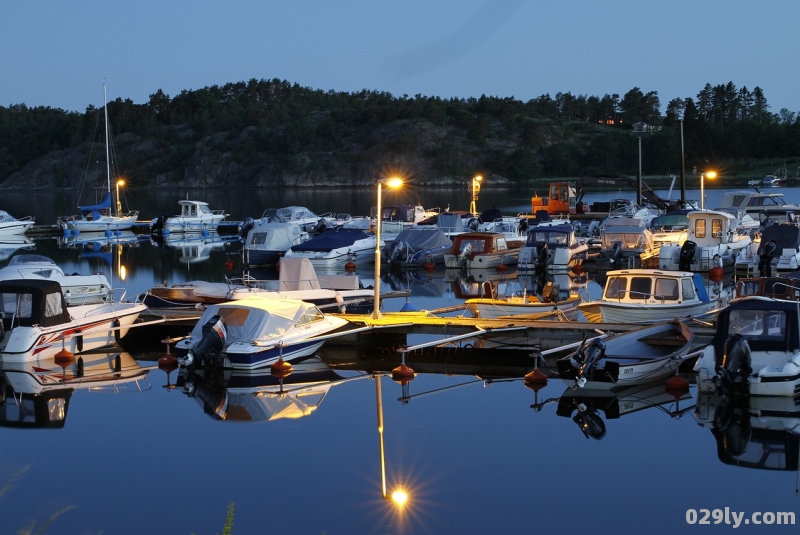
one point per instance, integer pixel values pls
(376, 312)
(475, 188)
(119, 204)
(712, 175)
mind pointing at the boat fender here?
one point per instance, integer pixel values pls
(213, 339)
(78, 340)
(686, 256)
(734, 368)
(115, 325)
(79, 367)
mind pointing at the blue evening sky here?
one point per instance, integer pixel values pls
(57, 53)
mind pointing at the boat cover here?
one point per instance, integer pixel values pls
(254, 318)
(95, 209)
(450, 223)
(31, 302)
(297, 273)
(769, 311)
(332, 239)
(419, 240)
(490, 214)
(273, 236)
(553, 235)
(785, 236)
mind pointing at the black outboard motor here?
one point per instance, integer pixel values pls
(246, 226)
(319, 227)
(157, 224)
(541, 258)
(214, 334)
(523, 226)
(734, 368)
(587, 359)
(766, 252)
(686, 256)
(616, 254)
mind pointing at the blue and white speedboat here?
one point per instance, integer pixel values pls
(334, 248)
(253, 333)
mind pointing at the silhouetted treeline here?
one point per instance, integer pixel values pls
(562, 136)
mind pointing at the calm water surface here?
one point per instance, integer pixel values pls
(475, 456)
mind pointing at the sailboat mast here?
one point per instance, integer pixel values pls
(108, 159)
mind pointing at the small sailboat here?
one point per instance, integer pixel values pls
(100, 217)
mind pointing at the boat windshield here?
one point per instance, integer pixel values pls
(770, 200)
(759, 325)
(553, 238)
(628, 240)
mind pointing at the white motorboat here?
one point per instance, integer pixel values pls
(195, 217)
(10, 225)
(78, 289)
(755, 349)
(334, 248)
(714, 240)
(778, 248)
(760, 205)
(193, 247)
(530, 306)
(37, 323)
(624, 242)
(645, 355)
(552, 246)
(266, 243)
(102, 216)
(481, 250)
(650, 295)
(253, 333)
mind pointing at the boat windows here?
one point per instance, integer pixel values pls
(203, 209)
(500, 244)
(688, 289)
(310, 316)
(477, 246)
(615, 287)
(641, 287)
(234, 316)
(700, 228)
(716, 227)
(52, 306)
(758, 325)
(19, 304)
(628, 240)
(667, 289)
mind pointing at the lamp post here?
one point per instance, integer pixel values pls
(376, 311)
(712, 175)
(399, 496)
(475, 188)
(119, 204)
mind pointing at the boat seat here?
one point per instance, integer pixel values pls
(664, 339)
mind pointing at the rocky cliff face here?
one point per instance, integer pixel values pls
(180, 157)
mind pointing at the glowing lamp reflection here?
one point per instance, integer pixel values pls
(399, 497)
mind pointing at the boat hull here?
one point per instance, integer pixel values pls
(632, 313)
(495, 308)
(102, 224)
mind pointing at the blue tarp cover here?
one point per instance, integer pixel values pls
(332, 239)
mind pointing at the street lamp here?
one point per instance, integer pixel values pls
(119, 204)
(376, 311)
(475, 188)
(712, 175)
(398, 496)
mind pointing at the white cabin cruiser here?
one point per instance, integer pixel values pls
(37, 323)
(552, 246)
(778, 248)
(195, 217)
(713, 240)
(10, 225)
(266, 243)
(334, 248)
(78, 289)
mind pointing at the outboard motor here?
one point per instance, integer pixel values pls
(246, 226)
(732, 427)
(587, 359)
(319, 227)
(472, 224)
(466, 251)
(734, 368)
(686, 256)
(157, 224)
(397, 249)
(766, 252)
(616, 254)
(214, 334)
(541, 258)
(523, 226)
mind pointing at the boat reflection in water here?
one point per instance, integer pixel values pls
(761, 432)
(585, 406)
(11, 244)
(194, 248)
(38, 395)
(261, 395)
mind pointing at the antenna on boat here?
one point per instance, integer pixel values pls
(108, 158)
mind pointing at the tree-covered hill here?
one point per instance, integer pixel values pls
(274, 133)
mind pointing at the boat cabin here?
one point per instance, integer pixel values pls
(480, 243)
(407, 213)
(773, 287)
(630, 232)
(29, 302)
(708, 228)
(654, 286)
(766, 324)
(554, 235)
(194, 208)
